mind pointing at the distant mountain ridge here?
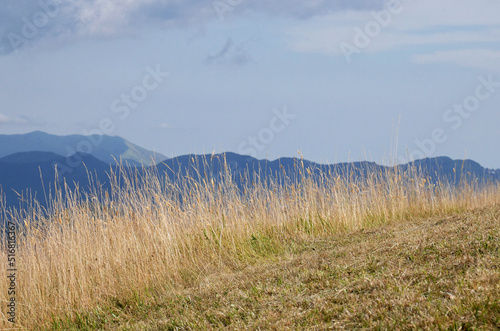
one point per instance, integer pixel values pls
(437, 168)
(104, 148)
(35, 172)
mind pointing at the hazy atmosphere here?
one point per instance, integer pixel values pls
(331, 79)
(249, 165)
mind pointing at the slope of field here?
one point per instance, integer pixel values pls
(207, 253)
(431, 273)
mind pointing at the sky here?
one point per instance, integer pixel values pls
(331, 80)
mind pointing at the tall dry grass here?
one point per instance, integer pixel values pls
(149, 233)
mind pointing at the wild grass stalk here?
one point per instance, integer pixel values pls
(148, 233)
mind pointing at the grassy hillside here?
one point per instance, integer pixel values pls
(427, 273)
(388, 250)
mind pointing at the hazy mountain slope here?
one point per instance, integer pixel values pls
(435, 168)
(34, 172)
(24, 171)
(104, 148)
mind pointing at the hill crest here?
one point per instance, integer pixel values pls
(108, 149)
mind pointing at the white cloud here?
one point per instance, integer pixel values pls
(437, 24)
(429, 14)
(83, 18)
(4, 119)
(478, 58)
(165, 126)
(328, 40)
(105, 17)
(320, 26)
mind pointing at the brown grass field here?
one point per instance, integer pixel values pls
(390, 252)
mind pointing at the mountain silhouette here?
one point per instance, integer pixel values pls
(33, 174)
(105, 148)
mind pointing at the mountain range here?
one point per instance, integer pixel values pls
(32, 167)
(108, 149)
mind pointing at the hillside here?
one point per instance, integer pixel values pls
(425, 273)
(104, 148)
(437, 168)
(34, 174)
(391, 250)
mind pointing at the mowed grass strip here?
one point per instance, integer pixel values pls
(437, 273)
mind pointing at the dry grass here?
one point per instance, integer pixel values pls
(433, 273)
(102, 259)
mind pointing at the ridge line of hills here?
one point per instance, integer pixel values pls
(34, 171)
(30, 164)
(103, 147)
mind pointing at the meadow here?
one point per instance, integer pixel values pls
(327, 250)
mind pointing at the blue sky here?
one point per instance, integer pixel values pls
(335, 80)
